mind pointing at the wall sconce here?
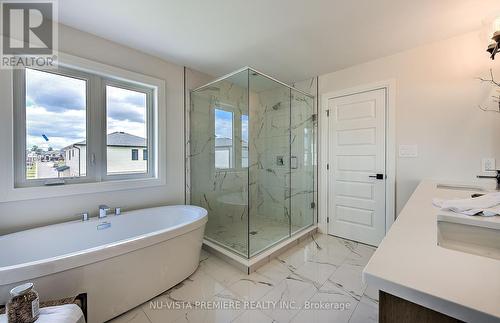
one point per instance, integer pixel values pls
(494, 47)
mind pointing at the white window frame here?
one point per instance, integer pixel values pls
(94, 182)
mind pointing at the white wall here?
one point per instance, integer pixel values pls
(30, 213)
(436, 107)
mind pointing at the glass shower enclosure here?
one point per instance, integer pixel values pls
(252, 160)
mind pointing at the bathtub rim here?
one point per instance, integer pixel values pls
(43, 267)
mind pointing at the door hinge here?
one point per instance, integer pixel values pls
(328, 112)
(328, 220)
(313, 205)
(327, 166)
(314, 117)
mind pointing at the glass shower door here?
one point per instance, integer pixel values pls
(302, 161)
(269, 168)
(252, 160)
(219, 160)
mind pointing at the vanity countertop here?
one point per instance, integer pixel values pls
(409, 263)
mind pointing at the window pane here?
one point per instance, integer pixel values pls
(223, 139)
(135, 154)
(244, 140)
(126, 130)
(55, 125)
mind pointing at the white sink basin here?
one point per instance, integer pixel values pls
(471, 234)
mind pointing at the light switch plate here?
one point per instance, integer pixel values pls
(488, 164)
(408, 151)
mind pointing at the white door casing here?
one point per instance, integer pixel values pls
(356, 151)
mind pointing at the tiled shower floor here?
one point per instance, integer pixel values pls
(264, 232)
(324, 270)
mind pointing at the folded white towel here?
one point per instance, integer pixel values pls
(486, 205)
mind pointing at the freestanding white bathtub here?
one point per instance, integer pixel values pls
(119, 261)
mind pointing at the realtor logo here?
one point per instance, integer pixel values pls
(29, 34)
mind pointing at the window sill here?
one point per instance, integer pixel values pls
(39, 192)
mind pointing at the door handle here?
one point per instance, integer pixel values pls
(293, 162)
(377, 176)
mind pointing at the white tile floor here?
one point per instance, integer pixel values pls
(324, 271)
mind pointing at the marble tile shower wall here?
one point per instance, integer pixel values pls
(283, 127)
(270, 137)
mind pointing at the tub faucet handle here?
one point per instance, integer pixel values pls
(85, 216)
(103, 211)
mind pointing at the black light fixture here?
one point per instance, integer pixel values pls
(494, 47)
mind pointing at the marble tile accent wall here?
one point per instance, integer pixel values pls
(270, 141)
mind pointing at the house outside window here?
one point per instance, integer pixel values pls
(130, 133)
(231, 138)
(135, 154)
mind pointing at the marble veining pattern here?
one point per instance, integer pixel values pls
(323, 269)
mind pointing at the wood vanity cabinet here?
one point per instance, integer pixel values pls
(393, 309)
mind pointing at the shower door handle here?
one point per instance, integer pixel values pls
(377, 176)
(294, 163)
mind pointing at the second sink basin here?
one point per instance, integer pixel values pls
(461, 187)
(475, 235)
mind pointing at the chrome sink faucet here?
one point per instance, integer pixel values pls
(103, 211)
(496, 177)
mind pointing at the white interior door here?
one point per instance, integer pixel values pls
(357, 166)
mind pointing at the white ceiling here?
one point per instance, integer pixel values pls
(289, 39)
